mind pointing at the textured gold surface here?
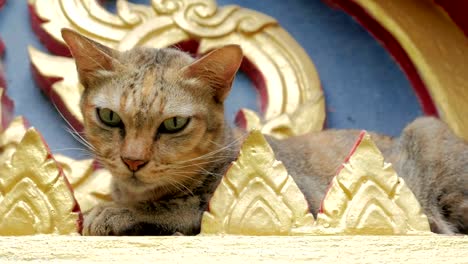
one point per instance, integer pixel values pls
(34, 195)
(438, 49)
(295, 103)
(257, 196)
(235, 249)
(91, 186)
(10, 138)
(368, 197)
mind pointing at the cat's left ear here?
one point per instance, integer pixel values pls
(218, 69)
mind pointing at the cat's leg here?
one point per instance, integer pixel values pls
(434, 163)
(171, 217)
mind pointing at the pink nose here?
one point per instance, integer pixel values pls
(134, 165)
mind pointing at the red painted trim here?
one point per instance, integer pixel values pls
(353, 149)
(45, 84)
(76, 207)
(395, 49)
(458, 11)
(50, 43)
(2, 3)
(8, 107)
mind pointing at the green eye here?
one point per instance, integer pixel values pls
(109, 117)
(174, 124)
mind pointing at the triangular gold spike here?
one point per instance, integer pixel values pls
(257, 196)
(368, 197)
(35, 197)
(91, 185)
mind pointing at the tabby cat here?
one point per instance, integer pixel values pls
(155, 119)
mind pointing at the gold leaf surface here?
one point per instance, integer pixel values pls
(257, 196)
(91, 185)
(35, 197)
(368, 197)
(283, 71)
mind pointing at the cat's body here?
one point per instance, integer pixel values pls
(155, 119)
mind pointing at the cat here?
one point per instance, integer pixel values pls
(155, 120)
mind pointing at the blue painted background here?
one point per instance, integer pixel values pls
(364, 87)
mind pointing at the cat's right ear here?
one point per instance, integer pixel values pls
(93, 60)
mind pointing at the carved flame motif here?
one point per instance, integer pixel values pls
(90, 185)
(368, 197)
(257, 196)
(292, 100)
(35, 197)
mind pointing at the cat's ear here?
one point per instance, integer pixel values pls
(93, 60)
(218, 69)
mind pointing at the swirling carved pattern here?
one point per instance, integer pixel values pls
(368, 197)
(35, 197)
(292, 101)
(257, 196)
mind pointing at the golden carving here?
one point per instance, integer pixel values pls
(11, 137)
(292, 95)
(368, 197)
(439, 52)
(35, 197)
(90, 185)
(257, 196)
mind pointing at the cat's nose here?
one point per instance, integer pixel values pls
(134, 165)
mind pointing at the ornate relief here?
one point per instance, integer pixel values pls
(35, 197)
(368, 197)
(91, 185)
(292, 101)
(257, 196)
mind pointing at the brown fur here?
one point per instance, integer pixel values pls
(169, 194)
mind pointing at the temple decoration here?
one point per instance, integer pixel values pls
(434, 57)
(10, 138)
(291, 98)
(90, 184)
(368, 197)
(35, 197)
(257, 196)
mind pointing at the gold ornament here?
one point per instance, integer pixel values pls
(90, 184)
(35, 197)
(292, 99)
(368, 197)
(11, 137)
(439, 52)
(257, 196)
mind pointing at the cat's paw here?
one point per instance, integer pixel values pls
(108, 220)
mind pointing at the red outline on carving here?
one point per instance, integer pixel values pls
(76, 206)
(393, 46)
(50, 43)
(45, 84)
(457, 10)
(353, 149)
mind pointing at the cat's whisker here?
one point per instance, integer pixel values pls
(229, 145)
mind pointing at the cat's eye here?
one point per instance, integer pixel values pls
(109, 117)
(173, 124)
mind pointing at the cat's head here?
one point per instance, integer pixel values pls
(153, 116)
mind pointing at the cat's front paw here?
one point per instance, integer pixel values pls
(108, 220)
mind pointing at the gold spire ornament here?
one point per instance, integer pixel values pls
(257, 196)
(91, 185)
(368, 197)
(292, 101)
(35, 197)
